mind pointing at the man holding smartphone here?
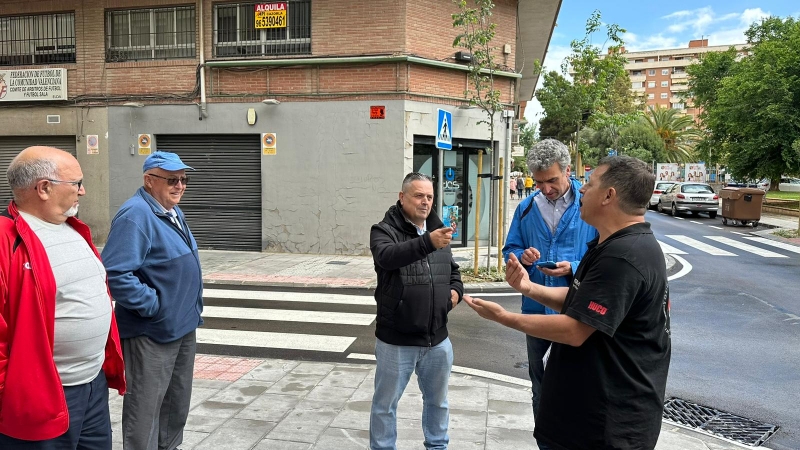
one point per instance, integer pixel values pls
(547, 227)
(418, 285)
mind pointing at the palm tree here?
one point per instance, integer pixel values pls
(677, 131)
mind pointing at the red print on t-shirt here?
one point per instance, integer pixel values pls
(600, 309)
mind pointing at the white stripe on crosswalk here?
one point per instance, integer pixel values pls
(712, 226)
(262, 339)
(668, 249)
(694, 221)
(739, 233)
(783, 245)
(275, 296)
(746, 247)
(702, 246)
(287, 315)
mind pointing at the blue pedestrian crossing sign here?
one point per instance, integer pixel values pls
(444, 133)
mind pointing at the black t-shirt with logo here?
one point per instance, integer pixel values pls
(609, 392)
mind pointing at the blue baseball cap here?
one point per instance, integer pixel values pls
(164, 160)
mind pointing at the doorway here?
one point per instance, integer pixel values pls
(459, 185)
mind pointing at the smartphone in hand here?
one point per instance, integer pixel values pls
(546, 264)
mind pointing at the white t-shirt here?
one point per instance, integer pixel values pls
(83, 309)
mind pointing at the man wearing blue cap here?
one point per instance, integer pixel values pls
(155, 277)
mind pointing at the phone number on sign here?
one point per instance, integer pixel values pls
(272, 20)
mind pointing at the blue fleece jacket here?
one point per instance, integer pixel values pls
(568, 243)
(153, 272)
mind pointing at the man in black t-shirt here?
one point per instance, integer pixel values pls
(604, 384)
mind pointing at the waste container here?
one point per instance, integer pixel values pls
(741, 205)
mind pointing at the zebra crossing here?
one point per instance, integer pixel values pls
(716, 245)
(240, 321)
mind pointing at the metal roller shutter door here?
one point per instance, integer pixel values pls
(222, 203)
(11, 146)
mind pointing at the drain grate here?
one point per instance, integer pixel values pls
(718, 423)
(338, 263)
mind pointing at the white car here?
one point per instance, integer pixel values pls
(659, 189)
(789, 184)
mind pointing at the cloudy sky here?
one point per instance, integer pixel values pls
(659, 25)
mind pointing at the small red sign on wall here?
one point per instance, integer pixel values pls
(377, 112)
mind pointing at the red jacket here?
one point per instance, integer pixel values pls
(32, 403)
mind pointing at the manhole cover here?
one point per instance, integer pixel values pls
(338, 263)
(718, 423)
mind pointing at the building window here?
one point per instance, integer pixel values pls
(637, 84)
(651, 84)
(665, 84)
(235, 33)
(636, 73)
(664, 71)
(651, 72)
(651, 96)
(677, 106)
(41, 39)
(651, 60)
(636, 61)
(158, 33)
(664, 95)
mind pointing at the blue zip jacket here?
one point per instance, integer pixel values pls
(153, 272)
(528, 229)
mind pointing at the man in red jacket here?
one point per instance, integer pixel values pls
(59, 347)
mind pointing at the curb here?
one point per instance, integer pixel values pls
(368, 289)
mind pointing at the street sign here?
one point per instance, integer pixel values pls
(612, 152)
(377, 112)
(517, 150)
(444, 130)
(587, 168)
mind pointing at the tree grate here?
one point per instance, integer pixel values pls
(718, 423)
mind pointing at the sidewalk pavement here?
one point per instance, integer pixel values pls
(241, 403)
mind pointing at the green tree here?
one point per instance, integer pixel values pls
(600, 85)
(676, 131)
(639, 139)
(751, 104)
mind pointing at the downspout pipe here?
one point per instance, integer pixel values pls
(203, 105)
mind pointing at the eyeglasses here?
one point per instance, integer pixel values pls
(78, 183)
(172, 181)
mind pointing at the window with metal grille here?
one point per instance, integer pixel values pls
(40, 39)
(236, 35)
(153, 33)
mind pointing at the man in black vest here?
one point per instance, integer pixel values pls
(418, 285)
(605, 380)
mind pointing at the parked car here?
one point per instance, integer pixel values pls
(762, 184)
(789, 184)
(659, 189)
(689, 197)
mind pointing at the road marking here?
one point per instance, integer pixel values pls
(783, 245)
(679, 218)
(289, 341)
(287, 315)
(685, 268)
(276, 296)
(710, 249)
(746, 247)
(694, 221)
(464, 370)
(718, 228)
(668, 249)
(740, 233)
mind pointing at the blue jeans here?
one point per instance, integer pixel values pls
(395, 365)
(536, 349)
(89, 421)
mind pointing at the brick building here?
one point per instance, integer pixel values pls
(658, 77)
(300, 134)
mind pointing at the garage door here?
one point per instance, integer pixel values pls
(11, 146)
(223, 200)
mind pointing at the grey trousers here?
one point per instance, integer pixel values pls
(159, 380)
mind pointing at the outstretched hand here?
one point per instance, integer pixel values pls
(441, 237)
(516, 275)
(484, 308)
